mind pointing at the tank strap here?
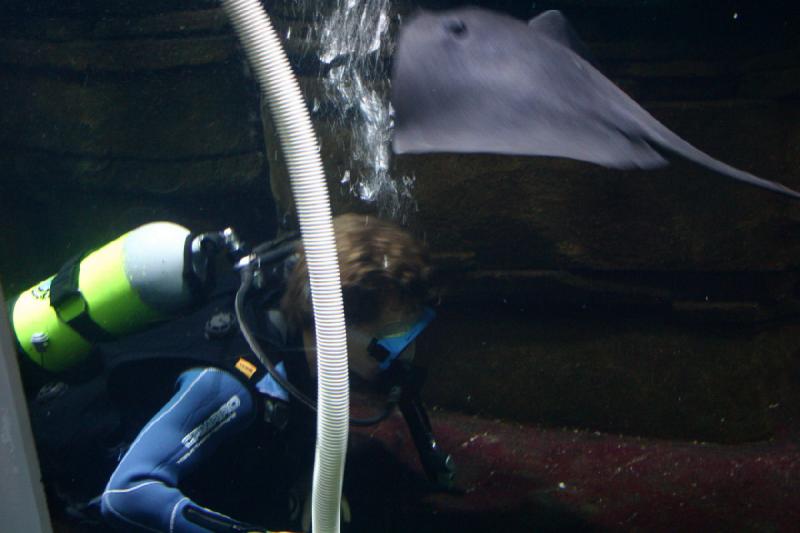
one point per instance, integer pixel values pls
(70, 304)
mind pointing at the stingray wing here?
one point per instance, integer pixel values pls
(476, 81)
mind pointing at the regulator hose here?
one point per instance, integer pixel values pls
(290, 114)
(247, 276)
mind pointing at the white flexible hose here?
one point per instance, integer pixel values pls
(298, 141)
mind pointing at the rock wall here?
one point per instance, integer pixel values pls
(118, 114)
(660, 303)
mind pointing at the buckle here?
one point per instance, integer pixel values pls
(220, 325)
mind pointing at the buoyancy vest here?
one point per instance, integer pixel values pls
(82, 428)
(209, 336)
(269, 457)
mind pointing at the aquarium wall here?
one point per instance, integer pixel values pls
(660, 303)
(118, 115)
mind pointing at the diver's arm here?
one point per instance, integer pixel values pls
(209, 407)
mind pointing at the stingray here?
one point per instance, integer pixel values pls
(472, 80)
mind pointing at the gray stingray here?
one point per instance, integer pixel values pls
(472, 80)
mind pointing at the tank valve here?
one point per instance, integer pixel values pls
(40, 341)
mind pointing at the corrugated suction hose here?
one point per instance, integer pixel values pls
(298, 141)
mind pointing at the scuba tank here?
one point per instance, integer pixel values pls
(143, 277)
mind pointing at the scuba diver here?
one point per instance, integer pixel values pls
(216, 423)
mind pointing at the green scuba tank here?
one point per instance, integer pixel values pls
(145, 276)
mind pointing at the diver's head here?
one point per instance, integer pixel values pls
(385, 274)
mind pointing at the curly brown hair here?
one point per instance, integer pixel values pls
(380, 264)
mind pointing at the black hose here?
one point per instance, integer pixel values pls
(244, 288)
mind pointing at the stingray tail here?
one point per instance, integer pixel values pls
(664, 138)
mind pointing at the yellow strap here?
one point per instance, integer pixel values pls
(246, 367)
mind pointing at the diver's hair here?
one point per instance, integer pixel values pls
(379, 263)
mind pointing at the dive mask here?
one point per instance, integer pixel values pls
(392, 341)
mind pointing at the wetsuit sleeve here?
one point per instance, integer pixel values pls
(143, 493)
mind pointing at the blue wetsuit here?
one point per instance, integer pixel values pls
(209, 407)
